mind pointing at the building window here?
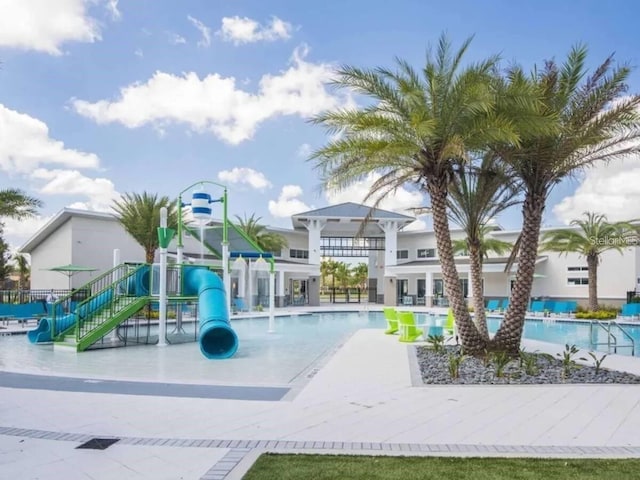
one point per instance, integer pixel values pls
(577, 281)
(577, 269)
(295, 253)
(426, 253)
(402, 254)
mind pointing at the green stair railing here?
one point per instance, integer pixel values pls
(63, 306)
(106, 303)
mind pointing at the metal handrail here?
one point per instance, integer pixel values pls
(608, 332)
(611, 336)
(626, 334)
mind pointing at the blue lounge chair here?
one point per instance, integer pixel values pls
(505, 304)
(630, 310)
(493, 305)
(240, 305)
(562, 308)
(537, 306)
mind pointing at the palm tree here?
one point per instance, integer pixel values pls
(329, 267)
(418, 127)
(24, 270)
(267, 241)
(343, 274)
(593, 236)
(477, 195)
(139, 214)
(16, 204)
(593, 120)
(479, 249)
(360, 275)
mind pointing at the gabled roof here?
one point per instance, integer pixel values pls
(353, 210)
(57, 221)
(345, 219)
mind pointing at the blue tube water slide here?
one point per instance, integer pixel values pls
(43, 333)
(217, 338)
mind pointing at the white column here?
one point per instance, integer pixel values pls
(428, 289)
(242, 284)
(281, 283)
(315, 228)
(390, 229)
(226, 277)
(250, 282)
(162, 300)
(272, 302)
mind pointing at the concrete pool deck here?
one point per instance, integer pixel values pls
(363, 400)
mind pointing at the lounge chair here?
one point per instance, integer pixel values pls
(537, 306)
(504, 304)
(561, 308)
(410, 331)
(493, 305)
(449, 326)
(391, 316)
(240, 305)
(630, 310)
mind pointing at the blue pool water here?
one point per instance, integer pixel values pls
(289, 356)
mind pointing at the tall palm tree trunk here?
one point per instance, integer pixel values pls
(479, 318)
(510, 332)
(472, 341)
(592, 263)
(150, 256)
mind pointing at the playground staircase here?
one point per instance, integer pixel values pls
(112, 303)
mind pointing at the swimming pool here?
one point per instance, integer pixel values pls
(287, 357)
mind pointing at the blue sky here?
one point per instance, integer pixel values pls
(103, 97)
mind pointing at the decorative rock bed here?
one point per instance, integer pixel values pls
(435, 369)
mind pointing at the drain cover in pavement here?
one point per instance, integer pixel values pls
(99, 443)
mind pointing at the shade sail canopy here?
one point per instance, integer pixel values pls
(70, 270)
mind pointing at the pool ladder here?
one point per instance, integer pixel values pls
(612, 340)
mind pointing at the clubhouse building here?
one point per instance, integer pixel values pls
(403, 265)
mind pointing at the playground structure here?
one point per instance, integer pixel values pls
(132, 290)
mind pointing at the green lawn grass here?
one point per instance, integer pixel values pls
(355, 467)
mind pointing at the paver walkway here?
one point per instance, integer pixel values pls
(362, 400)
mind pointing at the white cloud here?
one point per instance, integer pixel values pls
(25, 145)
(288, 202)
(45, 25)
(304, 150)
(245, 30)
(401, 201)
(175, 39)
(245, 175)
(100, 192)
(138, 53)
(205, 31)
(216, 103)
(112, 8)
(16, 232)
(612, 189)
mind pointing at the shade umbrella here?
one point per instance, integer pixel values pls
(70, 270)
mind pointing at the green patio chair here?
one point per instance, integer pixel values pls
(410, 331)
(391, 316)
(449, 327)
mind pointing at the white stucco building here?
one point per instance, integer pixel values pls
(403, 265)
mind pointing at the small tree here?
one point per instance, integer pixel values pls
(24, 271)
(593, 236)
(139, 214)
(360, 274)
(477, 194)
(267, 241)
